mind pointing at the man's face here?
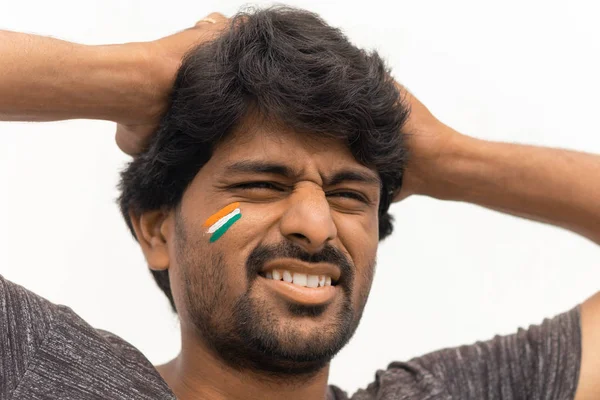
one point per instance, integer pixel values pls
(308, 208)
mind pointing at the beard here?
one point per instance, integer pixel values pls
(245, 332)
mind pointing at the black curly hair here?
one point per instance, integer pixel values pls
(289, 66)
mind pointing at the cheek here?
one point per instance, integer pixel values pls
(258, 224)
(360, 238)
(244, 231)
(202, 269)
(359, 235)
(234, 247)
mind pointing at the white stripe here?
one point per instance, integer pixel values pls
(214, 227)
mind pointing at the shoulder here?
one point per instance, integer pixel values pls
(401, 380)
(48, 349)
(113, 368)
(25, 317)
(24, 309)
(539, 362)
(25, 320)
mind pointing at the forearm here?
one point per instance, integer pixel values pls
(45, 79)
(550, 185)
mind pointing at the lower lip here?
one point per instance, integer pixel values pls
(302, 295)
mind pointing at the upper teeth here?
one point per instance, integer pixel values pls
(297, 278)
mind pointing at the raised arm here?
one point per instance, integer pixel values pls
(555, 186)
(46, 79)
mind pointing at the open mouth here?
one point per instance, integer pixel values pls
(300, 282)
(299, 279)
(300, 287)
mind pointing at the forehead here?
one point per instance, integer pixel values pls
(272, 143)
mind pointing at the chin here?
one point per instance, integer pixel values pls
(298, 339)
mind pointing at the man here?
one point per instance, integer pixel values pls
(259, 203)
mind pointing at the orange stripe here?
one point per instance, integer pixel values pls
(220, 214)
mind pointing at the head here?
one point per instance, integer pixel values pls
(283, 118)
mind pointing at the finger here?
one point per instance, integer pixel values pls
(130, 140)
(121, 138)
(212, 18)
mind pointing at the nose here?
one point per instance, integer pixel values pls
(308, 221)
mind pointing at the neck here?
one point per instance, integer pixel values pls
(196, 373)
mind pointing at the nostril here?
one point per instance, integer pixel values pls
(300, 236)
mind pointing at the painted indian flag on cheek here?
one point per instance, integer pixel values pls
(221, 221)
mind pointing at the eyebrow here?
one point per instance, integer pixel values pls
(354, 176)
(260, 167)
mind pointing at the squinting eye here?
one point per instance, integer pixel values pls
(257, 185)
(350, 195)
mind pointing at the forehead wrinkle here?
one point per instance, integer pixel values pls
(262, 167)
(353, 175)
(275, 168)
(285, 162)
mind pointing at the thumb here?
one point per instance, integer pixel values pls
(132, 139)
(212, 18)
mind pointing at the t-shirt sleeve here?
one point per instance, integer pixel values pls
(541, 362)
(25, 319)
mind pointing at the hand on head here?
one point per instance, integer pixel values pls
(426, 137)
(169, 51)
(427, 141)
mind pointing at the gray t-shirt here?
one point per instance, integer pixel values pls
(48, 352)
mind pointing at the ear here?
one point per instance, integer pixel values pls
(151, 229)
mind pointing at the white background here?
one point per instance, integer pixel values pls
(519, 71)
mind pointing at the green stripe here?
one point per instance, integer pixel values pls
(219, 232)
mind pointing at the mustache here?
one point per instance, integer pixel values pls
(262, 254)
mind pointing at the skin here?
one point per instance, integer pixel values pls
(302, 209)
(128, 84)
(554, 186)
